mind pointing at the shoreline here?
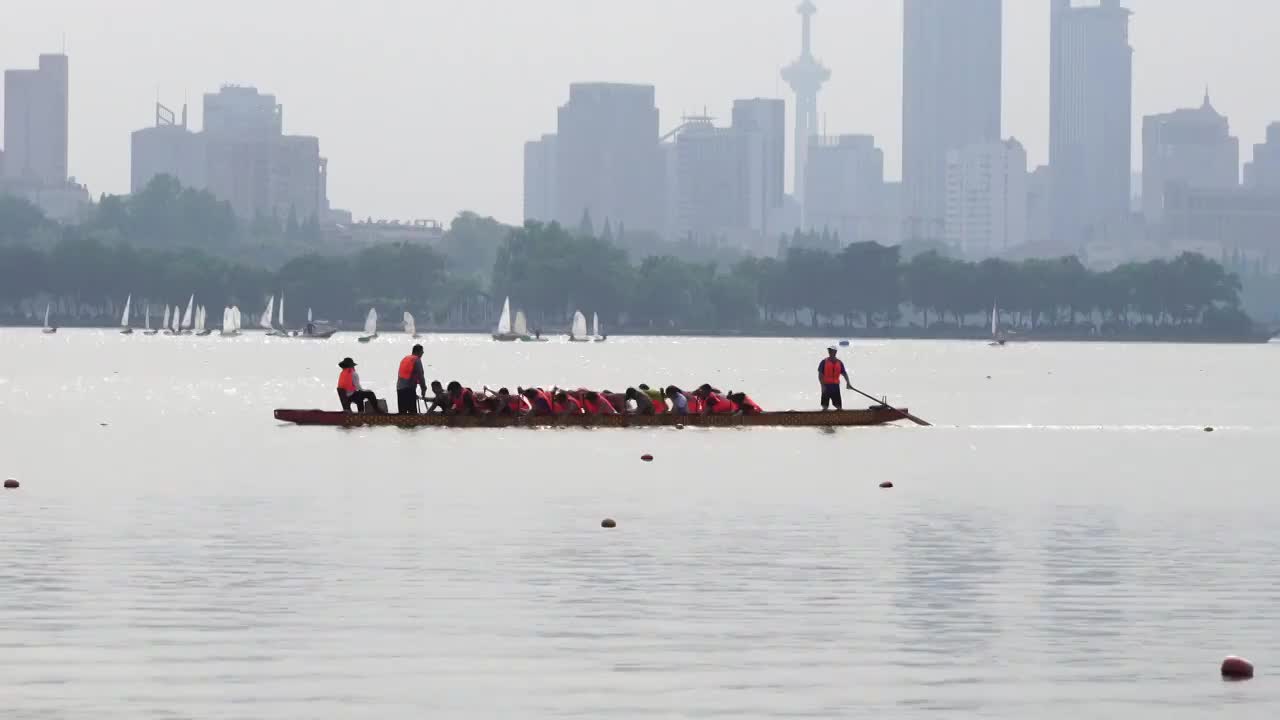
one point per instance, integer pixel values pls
(834, 335)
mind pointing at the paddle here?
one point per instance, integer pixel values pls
(906, 415)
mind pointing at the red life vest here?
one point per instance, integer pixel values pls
(695, 404)
(749, 406)
(465, 399)
(406, 367)
(601, 406)
(516, 404)
(346, 380)
(570, 406)
(832, 371)
(546, 397)
(721, 405)
(659, 405)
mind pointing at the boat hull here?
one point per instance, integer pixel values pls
(817, 418)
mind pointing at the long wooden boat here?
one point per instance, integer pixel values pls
(879, 415)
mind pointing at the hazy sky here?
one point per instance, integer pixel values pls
(422, 106)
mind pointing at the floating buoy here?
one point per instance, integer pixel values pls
(679, 426)
(608, 523)
(1208, 429)
(647, 457)
(886, 485)
(1236, 668)
(11, 483)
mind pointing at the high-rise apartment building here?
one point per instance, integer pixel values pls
(608, 163)
(1192, 147)
(35, 123)
(845, 181)
(951, 84)
(986, 202)
(167, 148)
(1090, 118)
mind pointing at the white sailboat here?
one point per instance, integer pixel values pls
(202, 320)
(188, 318)
(578, 333)
(595, 328)
(176, 328)
(370, 326)
(148, 330)
(997, 337)
(410, 327)
(264, 322)
(48, 329)
(124, 319)
(503, 332)
(164, 325)
(228, 322)
(235, 310)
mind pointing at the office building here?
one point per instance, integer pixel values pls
(1090, 118)
(608, 163)
(719, 180)
(845, 185)
(951, 77)
(242, 156)
(986, 200)
(767, 118)
(540, 179)
(1193, 147)
(1263, 172)
(35, 123)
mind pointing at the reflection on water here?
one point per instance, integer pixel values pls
(1047, 552)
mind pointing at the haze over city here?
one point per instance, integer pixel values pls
(422, 108)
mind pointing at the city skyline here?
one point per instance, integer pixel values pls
(449, 140)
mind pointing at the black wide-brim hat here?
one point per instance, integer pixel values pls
(347, 363)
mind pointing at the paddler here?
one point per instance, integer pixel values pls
(462, 401)
(644, 406)
(539, 402)
(745, 404)
(565, 404)
(679, 401)
(656, 397)
(593, 403)
(718, 404)
(409, 378)
(439, 401)
(830, 370)
(350, 391)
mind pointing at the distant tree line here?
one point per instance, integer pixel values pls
(167, 242)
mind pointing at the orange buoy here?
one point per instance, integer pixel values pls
(11, 483)
(608, 523)
(647, 457)
(1236, 668)
(886, 485)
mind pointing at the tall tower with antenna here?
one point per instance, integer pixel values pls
(805, 76)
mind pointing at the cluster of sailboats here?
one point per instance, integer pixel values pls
(194, 321)
(517, 329)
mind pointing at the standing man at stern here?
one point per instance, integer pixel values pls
(408, 380)
(830, 371)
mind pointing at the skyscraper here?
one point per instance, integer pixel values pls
(719, 182)
(1191, 146)
(1263, 172)
(35, 123)
(607, 157)
(951, 80)
(806, 77)
(768, 117)
(1090, 118)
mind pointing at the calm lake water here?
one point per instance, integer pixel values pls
(1066, 543)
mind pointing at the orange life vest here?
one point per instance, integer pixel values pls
(346, 380)
(406, 367)
(545, 397)
(832, 371)
(465, 399)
